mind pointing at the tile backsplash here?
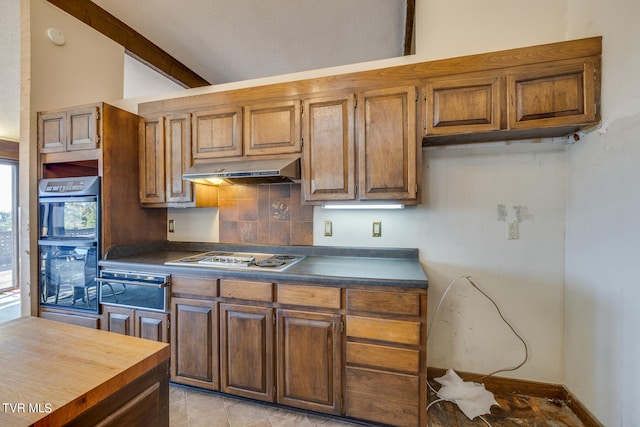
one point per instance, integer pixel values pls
(264, 214)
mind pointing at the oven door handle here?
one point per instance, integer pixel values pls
(132, 282)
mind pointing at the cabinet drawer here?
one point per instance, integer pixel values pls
(393, 331)
(309, 296)
(383, 397)
(380, 356)
(383, 302)
(194, 286)
(240, 289)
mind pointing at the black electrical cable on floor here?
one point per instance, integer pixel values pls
(526, 349)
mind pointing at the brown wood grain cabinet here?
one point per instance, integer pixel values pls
(355, 351)
(87, 320)
(309, 360)
(386, 350)
(329, 156)
(74, 129)
(534, 101)
(272, 127)
(361, 146)
(165, 155)
(115, 160)
(462, 104)
(145, 324)
(387, 144)
(194, 343)
(217, 132)
(246, 351)
(552, 95)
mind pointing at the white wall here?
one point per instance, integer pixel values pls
(602, 345)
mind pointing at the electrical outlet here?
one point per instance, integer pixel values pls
(513, 230)
(172, 225)
(328, 228)
(377, 229)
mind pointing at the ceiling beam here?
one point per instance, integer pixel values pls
(134, 43)
(408, 26)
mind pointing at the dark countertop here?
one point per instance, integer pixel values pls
(329, 265)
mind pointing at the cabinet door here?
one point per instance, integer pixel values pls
(462, 105)
(194, 339)
(246, 351)
(52, 132)
(178, 158)
(272, 128)
(152, 325)
(387, 145)
(152, 152)
(329, 165)
(545, 96)
(309, 361)
(119, 320)
(82, 128)
(217, 133)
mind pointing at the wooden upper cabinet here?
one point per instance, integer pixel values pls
(165, 155)
(178, 158)
(462, 104)
(217, 133)
(152, 163)
(272, 128)
(329, 165)
(387, 144)
(70, 130)
(556, 95)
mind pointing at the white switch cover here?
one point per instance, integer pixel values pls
(377, 229)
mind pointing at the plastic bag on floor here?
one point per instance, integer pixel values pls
(472, 398)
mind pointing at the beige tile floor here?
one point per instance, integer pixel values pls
(193, 408)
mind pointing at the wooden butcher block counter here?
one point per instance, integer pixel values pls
(53, 374)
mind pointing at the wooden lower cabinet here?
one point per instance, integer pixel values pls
(194, 343)
(145, 324)
(383, 397)
(309, 360)
(73, 318)
(356, 352)
(246, 351)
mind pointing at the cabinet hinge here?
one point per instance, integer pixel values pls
(342, 326)
(301, 109)
(302, 141)
(355, 101)
(356, 191)
(275, 391)
(416, 90)
(273, 318)
(424, 95)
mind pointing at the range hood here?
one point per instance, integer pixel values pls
(245, 171)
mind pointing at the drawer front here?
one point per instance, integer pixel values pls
(392, 331)
(240, 289)
(379, 356)
(383, 397)
(383, 302)
(194, 286)
(309, 296)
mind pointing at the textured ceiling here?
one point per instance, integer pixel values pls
(233, 40)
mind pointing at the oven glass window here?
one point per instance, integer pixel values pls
(67, 277)
(69, 219)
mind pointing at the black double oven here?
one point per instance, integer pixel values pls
(69, 242)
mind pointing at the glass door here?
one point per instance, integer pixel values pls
(9, 289)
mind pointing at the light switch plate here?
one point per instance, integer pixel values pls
(328, 229)
(377, 229)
